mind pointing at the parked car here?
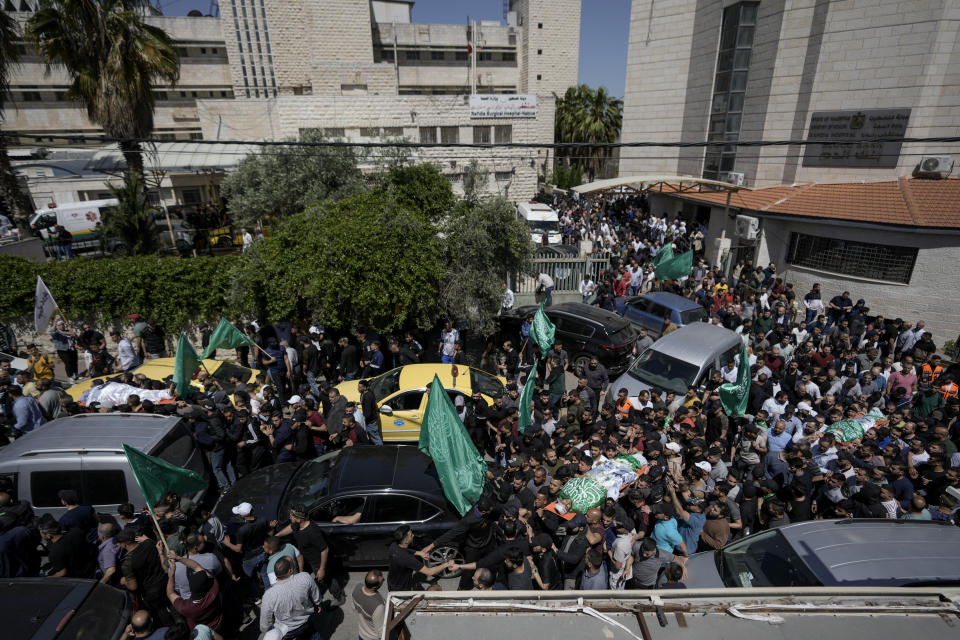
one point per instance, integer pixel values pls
(649, 310)
(585, 331)
(835, 553)
(401, 394)
(62, 609)
(390, 485)
(84, 453)
(681, 358)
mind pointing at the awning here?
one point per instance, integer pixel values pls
(676, 184)
(176, 157)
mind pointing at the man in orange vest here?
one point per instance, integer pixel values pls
(930, 371)
(949, 390)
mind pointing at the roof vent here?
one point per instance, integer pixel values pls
(934, 167)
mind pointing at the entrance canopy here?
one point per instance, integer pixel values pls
(663, 184)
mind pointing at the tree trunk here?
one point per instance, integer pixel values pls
(12, 197)
(133, 154)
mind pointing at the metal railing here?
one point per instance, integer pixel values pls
(566, 273)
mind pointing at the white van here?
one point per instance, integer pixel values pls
(542, 219)
(79, 218)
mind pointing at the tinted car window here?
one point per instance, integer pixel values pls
(386, 384)
(175, 447)
(44, 486)
(226, 370)
(764, 560)
(661, 370)
(485, 383)
(310, 483)
(345, 506)
(692, 316)
(409, 401)
(577, 328)
(396, 508)
(107, 486)
(640, 305)
(101, 615)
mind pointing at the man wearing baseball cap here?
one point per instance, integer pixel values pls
(248, 539)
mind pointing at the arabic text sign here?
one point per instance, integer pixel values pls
(856, 126)
(483, 105)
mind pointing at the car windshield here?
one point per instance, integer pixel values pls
(385, 385)
(543, 225)
(692, 316)
(660, 370)
(485, 384)
(102, 615)
(310, 483)
(763, 560)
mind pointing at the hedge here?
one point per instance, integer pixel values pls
(175, 291)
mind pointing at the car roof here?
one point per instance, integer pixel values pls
(868, 551)
(669, 300)
(687, 342)
(394, 467)
(35, 607)
(419, 376)
(92, 432)
(583, 311)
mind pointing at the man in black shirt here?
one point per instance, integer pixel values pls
(71, 555)
(154, 340)
(407, 568)
(478, 528)
(143, 574)
(248, 539)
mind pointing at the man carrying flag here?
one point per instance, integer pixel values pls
(526, 400)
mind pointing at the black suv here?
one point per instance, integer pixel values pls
(585, 331)
(388, 485)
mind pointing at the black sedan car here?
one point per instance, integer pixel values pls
(62, 609)
(387, 485)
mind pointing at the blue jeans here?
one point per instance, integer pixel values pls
(373, 430)
(250, 564)
(549, 293)
(445, 359)
(222, 468)
(811, 316)
(312, 381)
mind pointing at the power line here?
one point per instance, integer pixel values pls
(477, 145)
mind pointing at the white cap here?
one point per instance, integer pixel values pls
(805, 406)
(703, 464)
(673, 446)
(294, 400)
(243, 509)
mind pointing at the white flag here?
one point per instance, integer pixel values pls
(43, 308)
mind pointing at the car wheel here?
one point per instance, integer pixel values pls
(444, 554)
(580, 364)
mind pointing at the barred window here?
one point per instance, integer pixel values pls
(428, 135)
(503, 133)
(481, 135)
(861, 259)
(393, 132)
(369, 132)
(334, 132)
(450, 135)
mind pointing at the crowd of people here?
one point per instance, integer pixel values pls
(706, 478)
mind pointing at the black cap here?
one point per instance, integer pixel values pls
(126, 535)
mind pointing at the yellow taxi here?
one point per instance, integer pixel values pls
(160, 368)
(401, 394)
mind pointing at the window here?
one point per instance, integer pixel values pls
(539, 77)
(437, 55)
(486, 56)
(428, 135)
(502, 176)
(105, 487)
(461, 55)
(450, 135)
(386, 54)
(509, 56)
(861, 259)
(369, 132)
(407, 401)
(203, 50)
(392, 132)
(539, 52)
(503, 133)
(481, 135)
(412, 55)
(539, 25)
(346, 506)
(394, 508)
(196, 135)
(32, 96)
(214, 51)
(334, 132)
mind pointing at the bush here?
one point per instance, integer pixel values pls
(172, 290)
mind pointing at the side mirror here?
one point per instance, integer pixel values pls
(386, 410)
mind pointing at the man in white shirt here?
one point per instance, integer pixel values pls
(126, 354)
(729, 372)
(247, 239)
(620, 557)
(587, 287)
(508, 299)
(545, 284)
(775, 406)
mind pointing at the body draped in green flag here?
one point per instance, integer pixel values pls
(735, 395)
(184, 366)
(443, 437)
(526, 400)
(226, 336)
(542, 330)
(157, 477)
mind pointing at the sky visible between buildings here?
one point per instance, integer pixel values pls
(604, 29)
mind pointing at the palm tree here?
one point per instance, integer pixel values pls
(585, 115)
(12, 197)
(113, 58)
(129, 228)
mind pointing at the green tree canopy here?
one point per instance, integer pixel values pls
(113, 59)
(587, 115)
(13, 201)
(281, 181)
(421, 188)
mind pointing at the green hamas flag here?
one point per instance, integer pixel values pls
(526, 400)
(226, 336)
(665, 254)
(444, 438)
(675, 267)
(542, 330)
(183, 367)
(734, 395)
(157, 477)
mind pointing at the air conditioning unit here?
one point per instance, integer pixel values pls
(732, 177)
(747, 227)
(934, 167)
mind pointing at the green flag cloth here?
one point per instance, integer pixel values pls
(734, 395)
(183, 367)
(584, 494)
(226, 336)
(157, 477)
(526, 400)
(444, 438)
(664, 255)
(846, 430)
(675, 267)
(542, 330)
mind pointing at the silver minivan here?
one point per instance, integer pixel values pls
(84, 453)
(680, 359)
